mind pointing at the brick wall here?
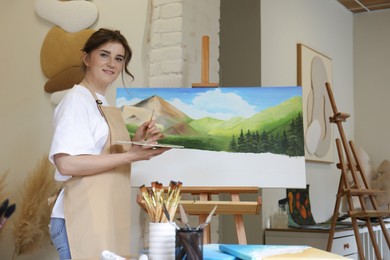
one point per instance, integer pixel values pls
(173, 49)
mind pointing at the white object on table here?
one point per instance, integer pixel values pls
(107, 255)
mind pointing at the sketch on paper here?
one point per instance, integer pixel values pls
(239, 125)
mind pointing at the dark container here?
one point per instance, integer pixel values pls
(189, 244)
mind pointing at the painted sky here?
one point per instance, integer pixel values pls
(219, 103)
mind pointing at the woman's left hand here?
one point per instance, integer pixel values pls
(149, 132)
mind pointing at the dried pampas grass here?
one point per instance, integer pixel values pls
(31, 223)
(3, 195)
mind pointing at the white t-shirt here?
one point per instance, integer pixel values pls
(79, 128)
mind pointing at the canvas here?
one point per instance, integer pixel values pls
(255, 132)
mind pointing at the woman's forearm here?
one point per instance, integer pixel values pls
(83, 165)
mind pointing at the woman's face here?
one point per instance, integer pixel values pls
(105, 63)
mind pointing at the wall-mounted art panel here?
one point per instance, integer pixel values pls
(314, 70)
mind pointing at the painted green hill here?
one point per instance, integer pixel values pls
(206, 124)
(269, 120)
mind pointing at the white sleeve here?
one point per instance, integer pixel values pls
(79, 127)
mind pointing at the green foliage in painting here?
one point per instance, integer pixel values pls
(278, 130)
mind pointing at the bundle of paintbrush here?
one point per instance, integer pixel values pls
(157, 201)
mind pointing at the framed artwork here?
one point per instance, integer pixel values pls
(314, 70)
(235, 136)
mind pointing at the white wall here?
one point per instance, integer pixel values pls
(325, 26)
(372, 87)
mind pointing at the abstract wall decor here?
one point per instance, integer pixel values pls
(314, 70)
(236, 136)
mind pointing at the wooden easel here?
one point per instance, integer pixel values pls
(205, 65)
(352, 167)
(203, 205)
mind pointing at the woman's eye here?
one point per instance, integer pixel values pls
(103, 55)
(119, 59)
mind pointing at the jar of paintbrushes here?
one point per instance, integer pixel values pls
(189, 240)
(160, 205)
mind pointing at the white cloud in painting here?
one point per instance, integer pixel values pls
(122, 101)
(215, 104)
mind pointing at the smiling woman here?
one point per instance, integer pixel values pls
(87, 157)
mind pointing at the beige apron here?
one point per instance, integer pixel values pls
(97, 207)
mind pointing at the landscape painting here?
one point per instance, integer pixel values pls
(244, 127)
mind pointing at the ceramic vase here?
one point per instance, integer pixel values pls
(162, 237)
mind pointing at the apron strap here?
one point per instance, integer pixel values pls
(99, 103)
(114, 148)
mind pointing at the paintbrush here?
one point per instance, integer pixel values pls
(151, 117)
(155, 200)
(168, 217)
(148, 202)
(160, 201)
(171, 193)
(150, 121)
(175, 199)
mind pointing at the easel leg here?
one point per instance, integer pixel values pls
(334, 218)
(241, 236)
(202, 219)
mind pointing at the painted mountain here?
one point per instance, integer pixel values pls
(277, 129)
